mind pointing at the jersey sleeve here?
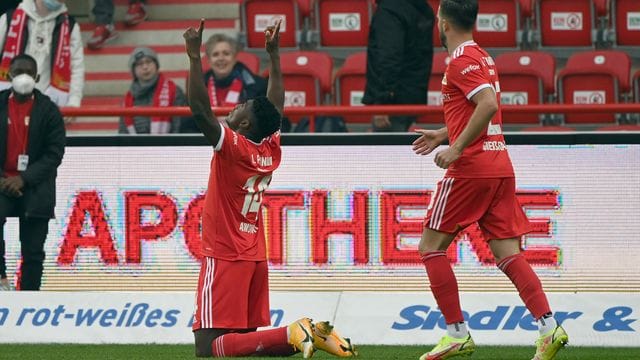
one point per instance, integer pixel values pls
(468, 75)
(231, 145)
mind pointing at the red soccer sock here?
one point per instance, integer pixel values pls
(444, 285)
(268, 342)
(528, 284)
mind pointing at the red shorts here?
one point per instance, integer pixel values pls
(232, 295)
(459, 203)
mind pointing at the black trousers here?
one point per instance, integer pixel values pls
(32, 233)
(103, 11)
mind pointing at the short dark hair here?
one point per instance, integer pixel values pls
(462, 13)
(25, 57)
(267, 117)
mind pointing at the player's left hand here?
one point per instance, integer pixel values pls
(446, 157)
(272, 37)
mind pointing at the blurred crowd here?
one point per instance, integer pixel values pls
(45, 30)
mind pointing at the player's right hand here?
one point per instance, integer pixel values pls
(427, 142)
(193, 40)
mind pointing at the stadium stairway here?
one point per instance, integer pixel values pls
(107, 76)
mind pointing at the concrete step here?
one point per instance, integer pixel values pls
(171, 57)
(114, 84)
(93, 126)
(183, 10)
(151, 33)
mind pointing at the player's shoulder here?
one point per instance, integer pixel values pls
(469, 51)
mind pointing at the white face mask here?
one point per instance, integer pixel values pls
(23, 84)
(52, 5)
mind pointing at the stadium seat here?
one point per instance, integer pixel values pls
(305, 7)
(525, 78)
(250, 60)
(498, 23)
(307, 77)
(565, 23)
(343, 22)
(350, 82)
(594, 77)
(256, 15)
(440, 62)
(627, 22)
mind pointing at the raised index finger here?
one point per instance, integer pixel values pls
(277, 31)
(201, 28)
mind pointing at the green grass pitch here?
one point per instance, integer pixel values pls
(175, 352)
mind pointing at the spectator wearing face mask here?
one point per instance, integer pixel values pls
(150, 88)
(32, 139)
(44, 30)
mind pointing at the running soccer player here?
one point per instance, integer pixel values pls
(479, 186)
(233, 289)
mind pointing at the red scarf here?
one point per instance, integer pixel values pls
(163, 96)
(61, 71)
(232, 96)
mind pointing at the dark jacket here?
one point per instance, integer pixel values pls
(46, 147)
(252, 87)
(399, 53)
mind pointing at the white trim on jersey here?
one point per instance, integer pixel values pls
(478, 89)
(441, 203)
(219, 144)
(206, 295)
(460, 49)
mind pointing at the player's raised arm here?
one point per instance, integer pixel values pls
(197, 95)
(275, 90)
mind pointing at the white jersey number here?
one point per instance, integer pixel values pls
(254, 186)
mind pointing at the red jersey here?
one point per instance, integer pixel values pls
(17, 133)
(232, 218)
(471, 70)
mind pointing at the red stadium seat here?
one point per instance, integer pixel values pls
(343, 22)
(439, 67)
(565, 23)
(627, 22)
(498, 23)
(305, 7)
(250, 60)
(350, 82)
(525, 78)
(594, 77)
(256, 15)
(307, 77)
